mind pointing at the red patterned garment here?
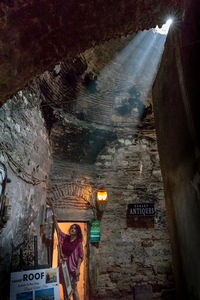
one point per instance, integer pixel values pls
(72, 251)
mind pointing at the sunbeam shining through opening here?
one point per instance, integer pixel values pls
(165, 28)
(123, 86)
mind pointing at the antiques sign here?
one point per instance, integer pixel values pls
(140, 215)
(141, 209)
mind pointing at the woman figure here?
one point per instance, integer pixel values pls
(71, 251)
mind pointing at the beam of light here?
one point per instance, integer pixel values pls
(165, 28)
(123, 85)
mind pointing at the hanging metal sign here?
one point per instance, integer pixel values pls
(95, 231)
(140, 215)
(141, 210)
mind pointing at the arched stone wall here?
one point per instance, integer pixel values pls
(72, 201)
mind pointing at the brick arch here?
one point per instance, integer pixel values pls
(71, 195)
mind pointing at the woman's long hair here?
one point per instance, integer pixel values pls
(78, 231)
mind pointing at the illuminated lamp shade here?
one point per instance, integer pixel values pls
(102, 195)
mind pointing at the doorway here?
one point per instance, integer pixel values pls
(64, 226)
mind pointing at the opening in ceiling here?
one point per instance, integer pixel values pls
(165, 28)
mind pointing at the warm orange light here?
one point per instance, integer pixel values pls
(102, 195)
(64, 226)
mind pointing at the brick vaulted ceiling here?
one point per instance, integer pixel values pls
(36, 34)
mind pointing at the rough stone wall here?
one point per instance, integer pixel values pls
(102, 134)
(176, 108)
(128, 256)
(24, 149)
(128, 168)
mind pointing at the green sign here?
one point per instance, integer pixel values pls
(95, 231)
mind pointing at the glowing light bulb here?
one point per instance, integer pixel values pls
(102, 195)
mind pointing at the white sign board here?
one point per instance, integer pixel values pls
(35, 285)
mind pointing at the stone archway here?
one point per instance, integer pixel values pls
(72, 201)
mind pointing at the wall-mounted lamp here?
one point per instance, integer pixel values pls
(102, 196)
(101, 202)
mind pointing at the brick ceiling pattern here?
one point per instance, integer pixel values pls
(36, 34)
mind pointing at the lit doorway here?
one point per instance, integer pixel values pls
(64, 226)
